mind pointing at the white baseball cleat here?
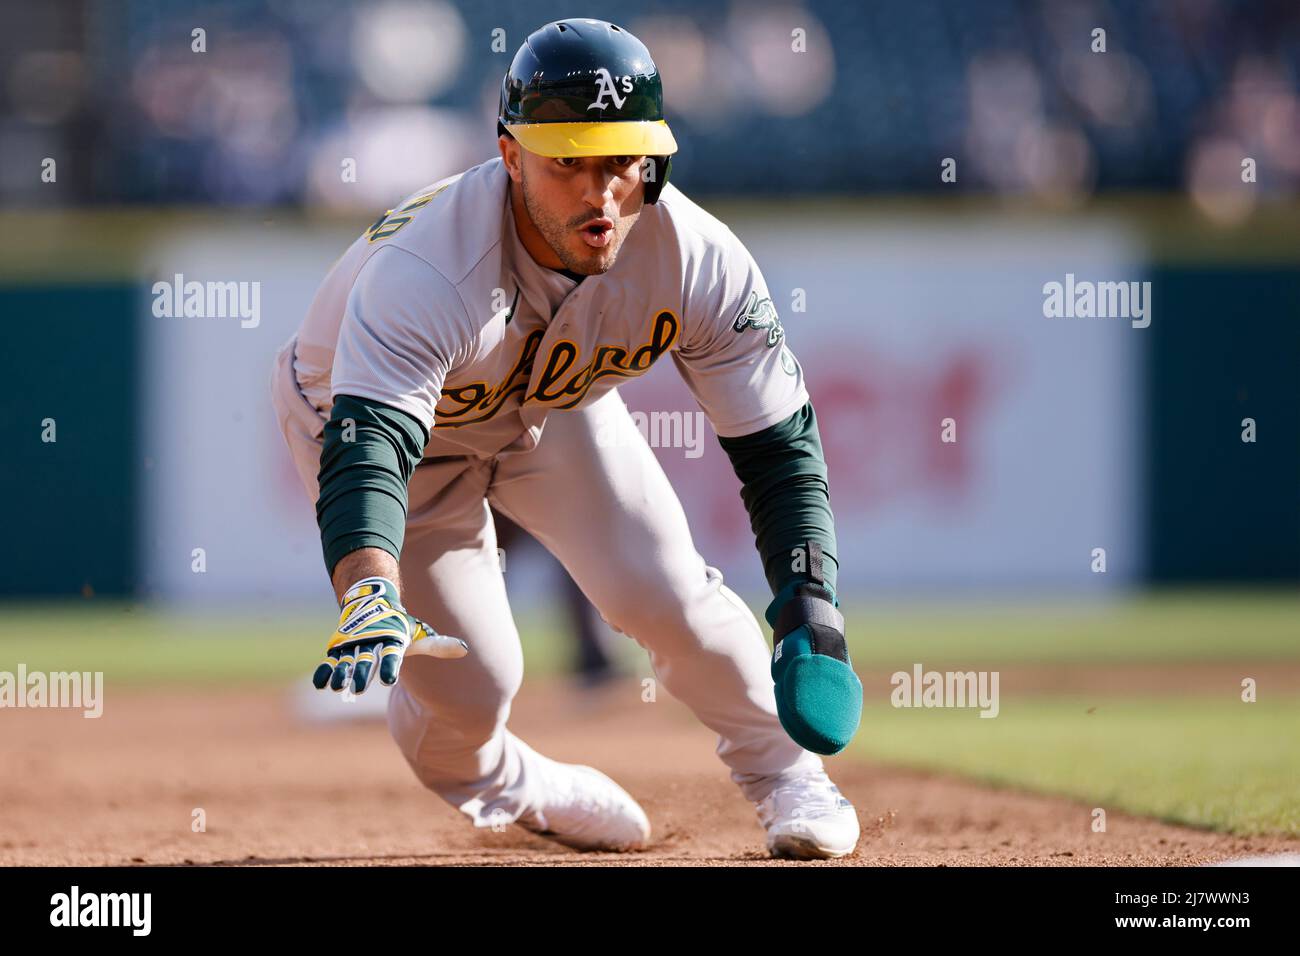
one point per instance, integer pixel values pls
(809, 819)
(586, 810)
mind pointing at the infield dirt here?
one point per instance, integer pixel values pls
(277, 790)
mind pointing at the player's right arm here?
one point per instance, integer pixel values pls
(368, 455)
(403, 329)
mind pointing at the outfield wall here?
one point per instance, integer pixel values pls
(1072, 434)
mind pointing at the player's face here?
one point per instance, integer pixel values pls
(583, 207)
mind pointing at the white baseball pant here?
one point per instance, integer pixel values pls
(608, 513)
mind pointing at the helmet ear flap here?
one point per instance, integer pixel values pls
(655, 184)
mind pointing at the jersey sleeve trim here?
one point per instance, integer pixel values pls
(403, 404)
(750, 425)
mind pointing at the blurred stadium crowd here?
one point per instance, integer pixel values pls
(884, 91)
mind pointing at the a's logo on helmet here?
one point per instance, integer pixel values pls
(605, 86)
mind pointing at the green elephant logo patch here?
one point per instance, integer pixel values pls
(760, 314)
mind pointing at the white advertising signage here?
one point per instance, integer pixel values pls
(973, 443)
(976, 443)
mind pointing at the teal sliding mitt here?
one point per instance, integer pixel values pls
(818, 697)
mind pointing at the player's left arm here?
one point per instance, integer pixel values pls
(737, 363)
(786, 492)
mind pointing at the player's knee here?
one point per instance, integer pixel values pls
(471, 701)
(659, 611)
(476, 722)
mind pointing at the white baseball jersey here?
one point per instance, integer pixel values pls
(439, 311)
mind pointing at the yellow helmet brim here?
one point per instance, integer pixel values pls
(625, 138)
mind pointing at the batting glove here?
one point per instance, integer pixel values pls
(373, 629)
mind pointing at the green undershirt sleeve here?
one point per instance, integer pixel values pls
(784, 487)
(368, 455)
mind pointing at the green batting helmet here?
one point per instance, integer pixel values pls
(587, 88)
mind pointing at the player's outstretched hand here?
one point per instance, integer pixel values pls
(818, 696)
(374, 633)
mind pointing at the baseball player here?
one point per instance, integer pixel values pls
(465, 352)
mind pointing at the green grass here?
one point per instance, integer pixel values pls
(1236, 626)
(134, 644)
(1216, 763)
(138, 646)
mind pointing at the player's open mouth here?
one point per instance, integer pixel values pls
(597, 233)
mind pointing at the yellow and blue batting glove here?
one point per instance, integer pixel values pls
(818, 696)
(374, 629)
